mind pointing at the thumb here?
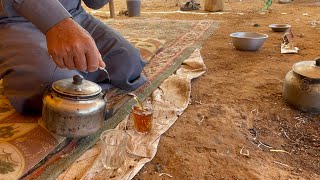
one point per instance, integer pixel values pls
(101, 63)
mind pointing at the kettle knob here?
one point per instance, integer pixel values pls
(77, 79)
(317, 61)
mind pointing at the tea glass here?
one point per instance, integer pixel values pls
(113, 148)
(142, 119)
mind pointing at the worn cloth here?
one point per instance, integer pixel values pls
(27, 68)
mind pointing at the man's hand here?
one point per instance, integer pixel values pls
(72, 47)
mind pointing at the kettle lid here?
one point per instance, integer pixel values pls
(76, 87)
(309, 69)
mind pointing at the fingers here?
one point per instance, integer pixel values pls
(81, 59)
(73, 48)
(89, 61)
(65, 61)
(69, 61)
(92, 62)
(94, 59)
(80, 62)
(101, 63)
(59, 62)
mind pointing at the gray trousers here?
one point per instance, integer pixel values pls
(26, 67)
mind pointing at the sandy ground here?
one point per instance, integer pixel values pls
(241, 96)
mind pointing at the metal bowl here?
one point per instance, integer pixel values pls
(279, 27)
(248, 41)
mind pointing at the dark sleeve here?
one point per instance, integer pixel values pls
(95, 4)
(44, 14)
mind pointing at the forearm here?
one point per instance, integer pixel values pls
(95, 4)
(44, 14)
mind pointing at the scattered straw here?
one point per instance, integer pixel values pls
(198, 102)
(263, 144)
(281, 164)
(279, 150)
(165, 174)
(201, 120)
(244, 153)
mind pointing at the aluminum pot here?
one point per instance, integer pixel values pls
(279, 27)
(248, 41)
(302, 86)
(74, 107)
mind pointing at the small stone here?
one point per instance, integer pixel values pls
(158, 168)
(256, 25)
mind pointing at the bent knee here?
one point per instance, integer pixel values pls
(26, 89)
(26, 105)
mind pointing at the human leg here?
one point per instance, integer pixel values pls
(123, 60)
(26, 67)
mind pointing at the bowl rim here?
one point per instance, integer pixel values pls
(274, 26)
(264, 36)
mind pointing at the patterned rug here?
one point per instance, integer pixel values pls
(28, 150)
(24, 141)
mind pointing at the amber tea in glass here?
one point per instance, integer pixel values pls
(142, 119)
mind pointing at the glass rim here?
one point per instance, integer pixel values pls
(126, 136)
(146, 108)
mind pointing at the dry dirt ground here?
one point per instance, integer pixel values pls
(240, 98)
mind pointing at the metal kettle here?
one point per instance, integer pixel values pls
(74, 107)
(302, 86)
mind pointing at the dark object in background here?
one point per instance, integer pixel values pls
(190, 6)
(123, 12)
(302, 86)
(279, 27)
(134, 7)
